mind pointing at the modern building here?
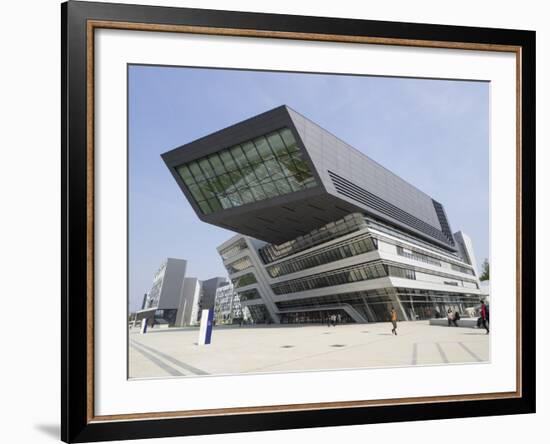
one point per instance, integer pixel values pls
(322, 228)
(466, 249)
(228, 308)
(162, 301)
(188, 312)
(197, 295)
(175, 300)
(209, 288)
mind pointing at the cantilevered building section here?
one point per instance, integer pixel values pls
(322, 228)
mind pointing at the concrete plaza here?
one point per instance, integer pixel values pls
(266, 349)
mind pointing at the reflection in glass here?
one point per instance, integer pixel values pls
(266, 167)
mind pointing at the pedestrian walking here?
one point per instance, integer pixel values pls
(450, 316)
(333, 320)
(328, 320)
(393, 317)
(339, 318)
(485, 316)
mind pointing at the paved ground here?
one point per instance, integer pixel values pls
(162, 353)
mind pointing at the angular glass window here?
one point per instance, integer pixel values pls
(197, 173)
(287, 165)
(300, 164)
(232, 176)
(206, 168)
(239, 156)
(261, 173)
(258, 193)
(196, 192)
(251, 153)
(185, 174)
(206, 190)
(270, 189)
(249, 176)
(274, 169)
(205, 208)
(214, 204)
(237, 179)
(225, 202)
(235, 199)
(289, 140)
(277, 144)
(283, 186)
(310, 182)
(227, 159)
(216, 164)
(215, 185)
(247, 196)
(263, 148)
(294, 184)
(226, 183)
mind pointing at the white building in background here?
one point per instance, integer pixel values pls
(228, 308)
(175, 300)
(161, 302)
(188, 313)
(466, 249)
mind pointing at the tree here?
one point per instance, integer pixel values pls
(484, 270)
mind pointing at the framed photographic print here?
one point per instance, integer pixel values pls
(275, 221)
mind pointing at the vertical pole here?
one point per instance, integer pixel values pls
(205, 331)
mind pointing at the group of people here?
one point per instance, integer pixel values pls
(483, 320)
(452, 318)
(334, 319)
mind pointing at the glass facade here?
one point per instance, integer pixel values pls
(233, 249)
(363, 272)
(153, 296)
(462, 269)
(255, 170)
(348, 224)
(373, 305)
(342, 250)
(239, 265)
(245, 279)
(260, 314)
(393, 231)
(168, 316)
(417, 256)
(425, 304)
(249, 295)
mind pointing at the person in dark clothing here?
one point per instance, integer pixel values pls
(485, 316)
(456, 318)
(393, 319)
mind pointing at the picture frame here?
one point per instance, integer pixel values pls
(80, 22)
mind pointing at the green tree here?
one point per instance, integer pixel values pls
(484, 270)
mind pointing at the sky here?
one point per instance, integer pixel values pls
(432, 133)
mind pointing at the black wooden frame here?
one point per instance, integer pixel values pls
(75, 423)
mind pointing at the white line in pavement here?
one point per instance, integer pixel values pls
(168, 369)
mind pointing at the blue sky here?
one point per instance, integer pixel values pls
(432, 133)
